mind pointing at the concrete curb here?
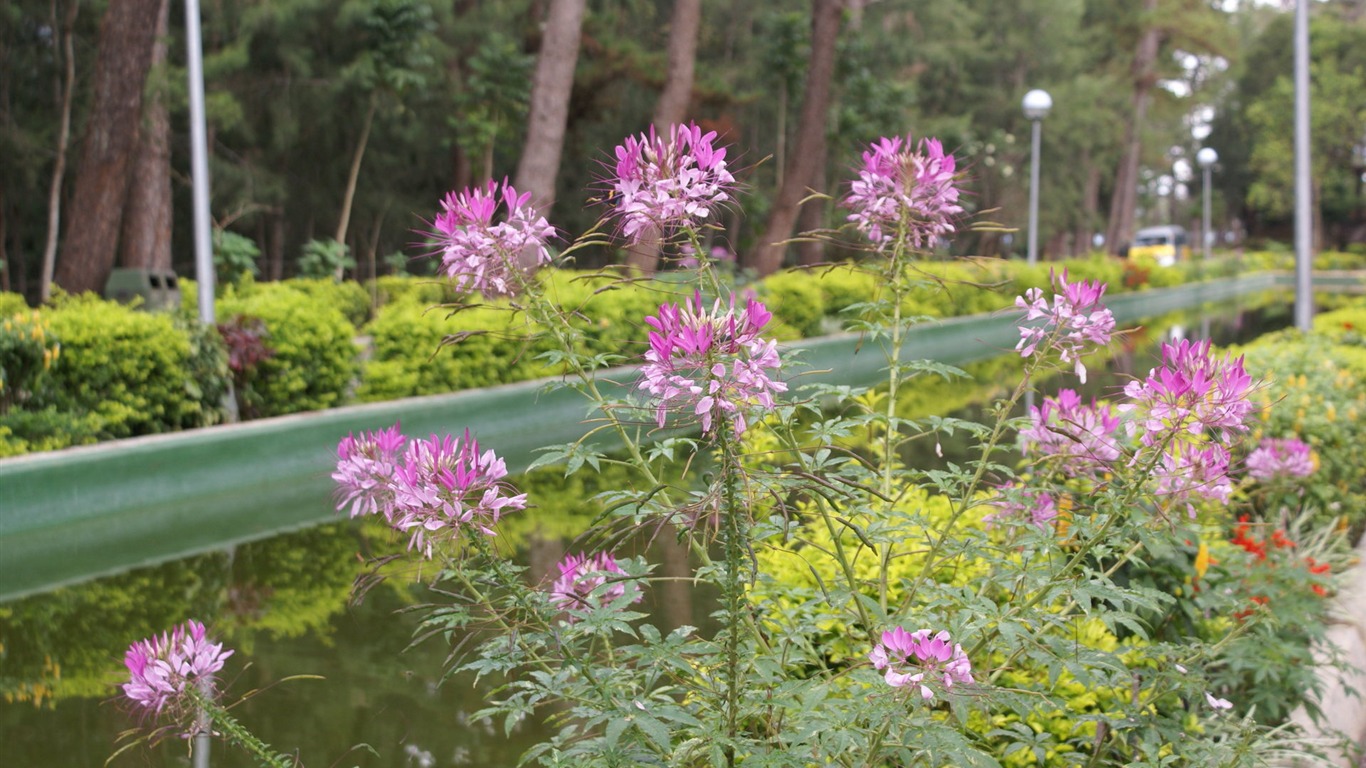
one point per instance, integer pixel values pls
(1343, 697)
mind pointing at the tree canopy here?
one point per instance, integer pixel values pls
(352, 118)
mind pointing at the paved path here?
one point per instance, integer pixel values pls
(1344, 692)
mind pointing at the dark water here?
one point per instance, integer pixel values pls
(284, 605)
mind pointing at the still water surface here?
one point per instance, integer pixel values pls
(283, 603)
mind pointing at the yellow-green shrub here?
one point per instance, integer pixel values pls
(133, 370)
(408, 358)
(794, 297)
(390, 288)
(11, 303)
(347, 296)
(314, 358)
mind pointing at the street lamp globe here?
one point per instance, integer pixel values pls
(1206, 157)
(1036, 104)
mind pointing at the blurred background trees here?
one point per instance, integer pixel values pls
(347, 120)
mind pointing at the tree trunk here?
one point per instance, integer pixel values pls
(671, 109)
(1090, 193)
(146, 238)
(275, 247)
(4, 253)
(353, 177)
(549, 113)
(66, 95)
(1125, 197)
(675, 593)
(801, 168)
(123, 58)
(672, 106)
(811, 250)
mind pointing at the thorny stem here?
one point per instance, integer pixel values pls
(897, 279)
(876, 744)
(564, 337)
(734, 532)
(233, 731)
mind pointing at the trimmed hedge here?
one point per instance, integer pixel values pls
(311, 325)
(314, 356)
(494, 344)
(132, 370)
(408, 359)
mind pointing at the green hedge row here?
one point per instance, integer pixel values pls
(124, 372)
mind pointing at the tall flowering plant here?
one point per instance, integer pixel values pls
(172, 684)
(868, 610)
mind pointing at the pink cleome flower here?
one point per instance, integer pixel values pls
(1074, 323)
(1016, 502)
(1275, 459)
(1189, 471)
(674, 181)
(1191, 392)
(919, 658)
(904, 197)
(713, 362)
(443, 484)
(581, 581)
(482, 255)
(1079, 437)
(162, 669)
(365, 470)
(435, 485)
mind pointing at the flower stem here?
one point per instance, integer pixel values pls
(734, 532)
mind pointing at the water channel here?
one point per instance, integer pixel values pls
(284, 604)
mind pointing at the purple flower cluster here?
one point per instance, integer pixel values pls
(365, 470)
(711, 361)
(1073, 324)
(1189, 471)
(1191, 398)
(1192, 391)
(1015, 502)
(920, 658)
(581, 580)
(162, 669)
(673, 181)
(904, 197)
(1277, 459)
(434, 486)
(1079, 437)
(482, 255)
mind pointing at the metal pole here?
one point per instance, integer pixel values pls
(1033, 252)
(199, 163)
(203, 726)
(201, 749)
(1204, 230)
(1304, 234)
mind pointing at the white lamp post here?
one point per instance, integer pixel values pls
(1036, 105)
(1206, 158)
(1304, 236)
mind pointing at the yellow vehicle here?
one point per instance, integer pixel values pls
(1163, 245)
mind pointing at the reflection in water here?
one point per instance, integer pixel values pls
(283, 603)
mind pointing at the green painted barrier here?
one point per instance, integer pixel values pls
(72, 515)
